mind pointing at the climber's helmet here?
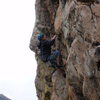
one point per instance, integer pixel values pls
(40, 36)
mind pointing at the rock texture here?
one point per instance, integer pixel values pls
(2, 97)
(77, 25)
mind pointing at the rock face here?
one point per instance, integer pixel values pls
(77, 25)
(2, 97)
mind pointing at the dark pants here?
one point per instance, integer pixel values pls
(53, 59)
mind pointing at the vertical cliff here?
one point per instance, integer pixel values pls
(77, 25)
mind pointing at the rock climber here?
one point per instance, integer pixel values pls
(45, 51)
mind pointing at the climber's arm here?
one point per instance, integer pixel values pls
(52, 40)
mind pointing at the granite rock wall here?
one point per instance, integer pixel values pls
(77, 26)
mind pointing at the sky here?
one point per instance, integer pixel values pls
(17, 62)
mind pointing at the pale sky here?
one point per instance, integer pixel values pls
(17, 62)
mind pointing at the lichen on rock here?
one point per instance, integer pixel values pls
(77, 26)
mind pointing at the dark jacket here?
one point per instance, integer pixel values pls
(45, 49)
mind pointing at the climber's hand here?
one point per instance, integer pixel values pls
(54, 37)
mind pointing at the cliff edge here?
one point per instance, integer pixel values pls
(77, 25)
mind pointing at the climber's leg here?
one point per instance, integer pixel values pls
(55, 59)
(57, 56)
